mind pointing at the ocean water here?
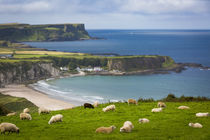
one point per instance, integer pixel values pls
(181, 45)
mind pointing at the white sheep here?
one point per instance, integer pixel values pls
(96, 103)
(26, 110)
(56, 118)
(202, 114)
(109, 108)
(26, 116)
(43, 110)
(8, 127)
(143, 120)
(11, 114)
(183, 107)
(195, 125)
(161, 104)
(127, 127)
(106, 130)
(132, 101)
(157, 110)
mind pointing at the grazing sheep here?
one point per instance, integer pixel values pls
(26, 116)
(4, 127)
(195, 125)
(26, 110)
(132, 101)
(56, 118)
(157, 110)
(109, 108)
(87, 105)
(203, 114)
(183, 107)
(161, 104)
(127, 127)
(143, 120)
(11, 114)
(106, 130)
(43, 110)
(96, 103)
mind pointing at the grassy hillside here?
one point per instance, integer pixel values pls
(80, 123)
(16, 104)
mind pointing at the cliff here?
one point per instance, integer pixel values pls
(136, 63)
(24, 72)
(48, 32)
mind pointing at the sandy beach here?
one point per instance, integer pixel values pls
(36, 97)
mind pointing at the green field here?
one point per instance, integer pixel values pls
(80, 123)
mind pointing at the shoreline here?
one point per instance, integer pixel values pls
(38, 98)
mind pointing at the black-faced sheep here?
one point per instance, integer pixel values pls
(25, 116)
(43, 110)
(161, 104)
(26, 110)
(127, 127)
(8, 127)
(202, 114)
(109, 108)
(195, 125)
(132, 101)
(87, 105)
(106, 130)
(56, 118)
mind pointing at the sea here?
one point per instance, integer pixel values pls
(182, 45)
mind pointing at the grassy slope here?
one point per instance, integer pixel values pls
(79, 123)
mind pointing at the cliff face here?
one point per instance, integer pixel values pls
(139, 63)
(25, 72)
(48, 32)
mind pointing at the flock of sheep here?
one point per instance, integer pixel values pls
(127, 126)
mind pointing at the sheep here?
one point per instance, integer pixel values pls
(109, 108)
(183, 107)
(11, 114)
(202, 114)
(132, 101)
(195, 125)
(43, 110)
(4, 127)
(26, 116)
(96, 103)
(161, 104)
(56, 118)
(26, 110)
(157, 110)
(87, 105)
(143, 120)
(106, 130)
(127, 127)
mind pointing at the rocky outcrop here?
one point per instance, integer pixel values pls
(26, 72)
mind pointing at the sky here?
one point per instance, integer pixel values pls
(110, 14)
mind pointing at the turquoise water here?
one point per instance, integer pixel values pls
(181, 45)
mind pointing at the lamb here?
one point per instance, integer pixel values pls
(195, 125)
(96, 103)
(127, 127)
(183, 107)
(109, 108)
(157, 110)
(161, 104)
(143, 120)
(26, 116)
(11, 114)
(56, 118)
(106, 130)
(43, 110)
(4, 127)
(26, 110)
(87, 105)
(202, 114)
(132, 101)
